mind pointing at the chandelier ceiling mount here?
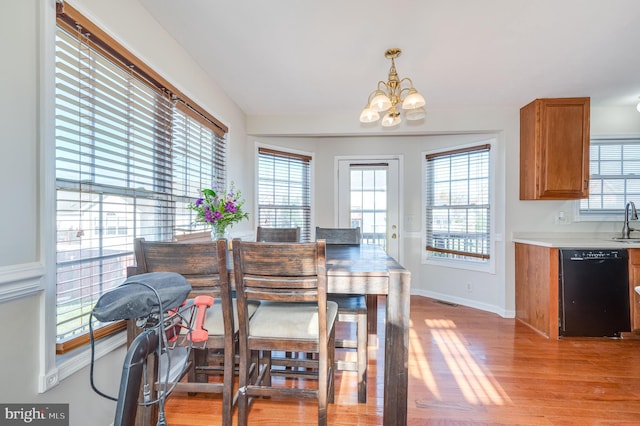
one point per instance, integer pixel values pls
(389, 94)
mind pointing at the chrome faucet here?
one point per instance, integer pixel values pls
(626, 229)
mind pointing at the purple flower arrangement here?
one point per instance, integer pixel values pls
(219, 209)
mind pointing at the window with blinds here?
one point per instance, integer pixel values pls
(458, 208)
(198, 160)
(284, 191)
(615, 177)
(129, 158)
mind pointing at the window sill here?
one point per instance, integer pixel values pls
(458, 264)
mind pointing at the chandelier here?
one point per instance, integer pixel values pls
(391, 93)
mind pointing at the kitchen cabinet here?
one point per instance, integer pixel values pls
(554, 149)
(634, 281)
(537, 288)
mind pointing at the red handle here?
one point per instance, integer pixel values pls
(199, 334)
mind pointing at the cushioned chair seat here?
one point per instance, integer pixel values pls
(289, 320)
(213, 321)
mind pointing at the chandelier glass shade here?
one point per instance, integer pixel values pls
(393, 94)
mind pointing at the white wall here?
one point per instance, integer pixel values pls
(18, 112)
(27, 48)
(442, 129)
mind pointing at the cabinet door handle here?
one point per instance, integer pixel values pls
(586, 184)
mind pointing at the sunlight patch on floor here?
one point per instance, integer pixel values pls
(474, 384)
(423, 371)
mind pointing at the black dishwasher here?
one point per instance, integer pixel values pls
(594, 292)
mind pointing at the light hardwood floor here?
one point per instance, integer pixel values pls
(469, 367)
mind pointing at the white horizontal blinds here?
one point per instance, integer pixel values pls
(458, 207)
(284, 191)
(615, 176)
(113, 174)
(198, 162)
(129, 157)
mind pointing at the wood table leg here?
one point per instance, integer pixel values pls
(372, 319)
(396, 351)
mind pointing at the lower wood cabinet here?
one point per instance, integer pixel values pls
(634, 281)
(537, 288)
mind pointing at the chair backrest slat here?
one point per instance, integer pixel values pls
(345, 236)
(292, 271)
(278, 235)
(202, 264)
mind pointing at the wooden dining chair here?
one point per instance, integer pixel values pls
(204, 265)
(347, 236)
(290, 281)
(278, 235)
(352, 308)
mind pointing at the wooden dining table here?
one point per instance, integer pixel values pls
(368, 269)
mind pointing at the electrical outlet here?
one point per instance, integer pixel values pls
(469, 287)
(561, 218)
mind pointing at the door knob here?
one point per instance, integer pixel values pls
(393, 236)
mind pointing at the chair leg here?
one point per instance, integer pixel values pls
(227, 390)
(323, 386)
(372, 317)
(266, 355)
(243, 398)
(254, 367)
(331, 360)
(199, 359)
(362, 359)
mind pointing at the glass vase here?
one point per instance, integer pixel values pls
(219, 234)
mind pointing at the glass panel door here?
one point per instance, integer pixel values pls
(368, 198)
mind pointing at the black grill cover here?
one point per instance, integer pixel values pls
(132, 300)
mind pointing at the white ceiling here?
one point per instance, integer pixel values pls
(289, 57)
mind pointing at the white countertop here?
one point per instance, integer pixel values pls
(575, 240)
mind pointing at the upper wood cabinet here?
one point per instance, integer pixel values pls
(554, 149)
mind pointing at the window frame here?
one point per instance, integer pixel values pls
(305, 234)
(610, 215)
(482, 266)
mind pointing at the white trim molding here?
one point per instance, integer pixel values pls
(21, 280)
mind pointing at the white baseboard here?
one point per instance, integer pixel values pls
(465, 302)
